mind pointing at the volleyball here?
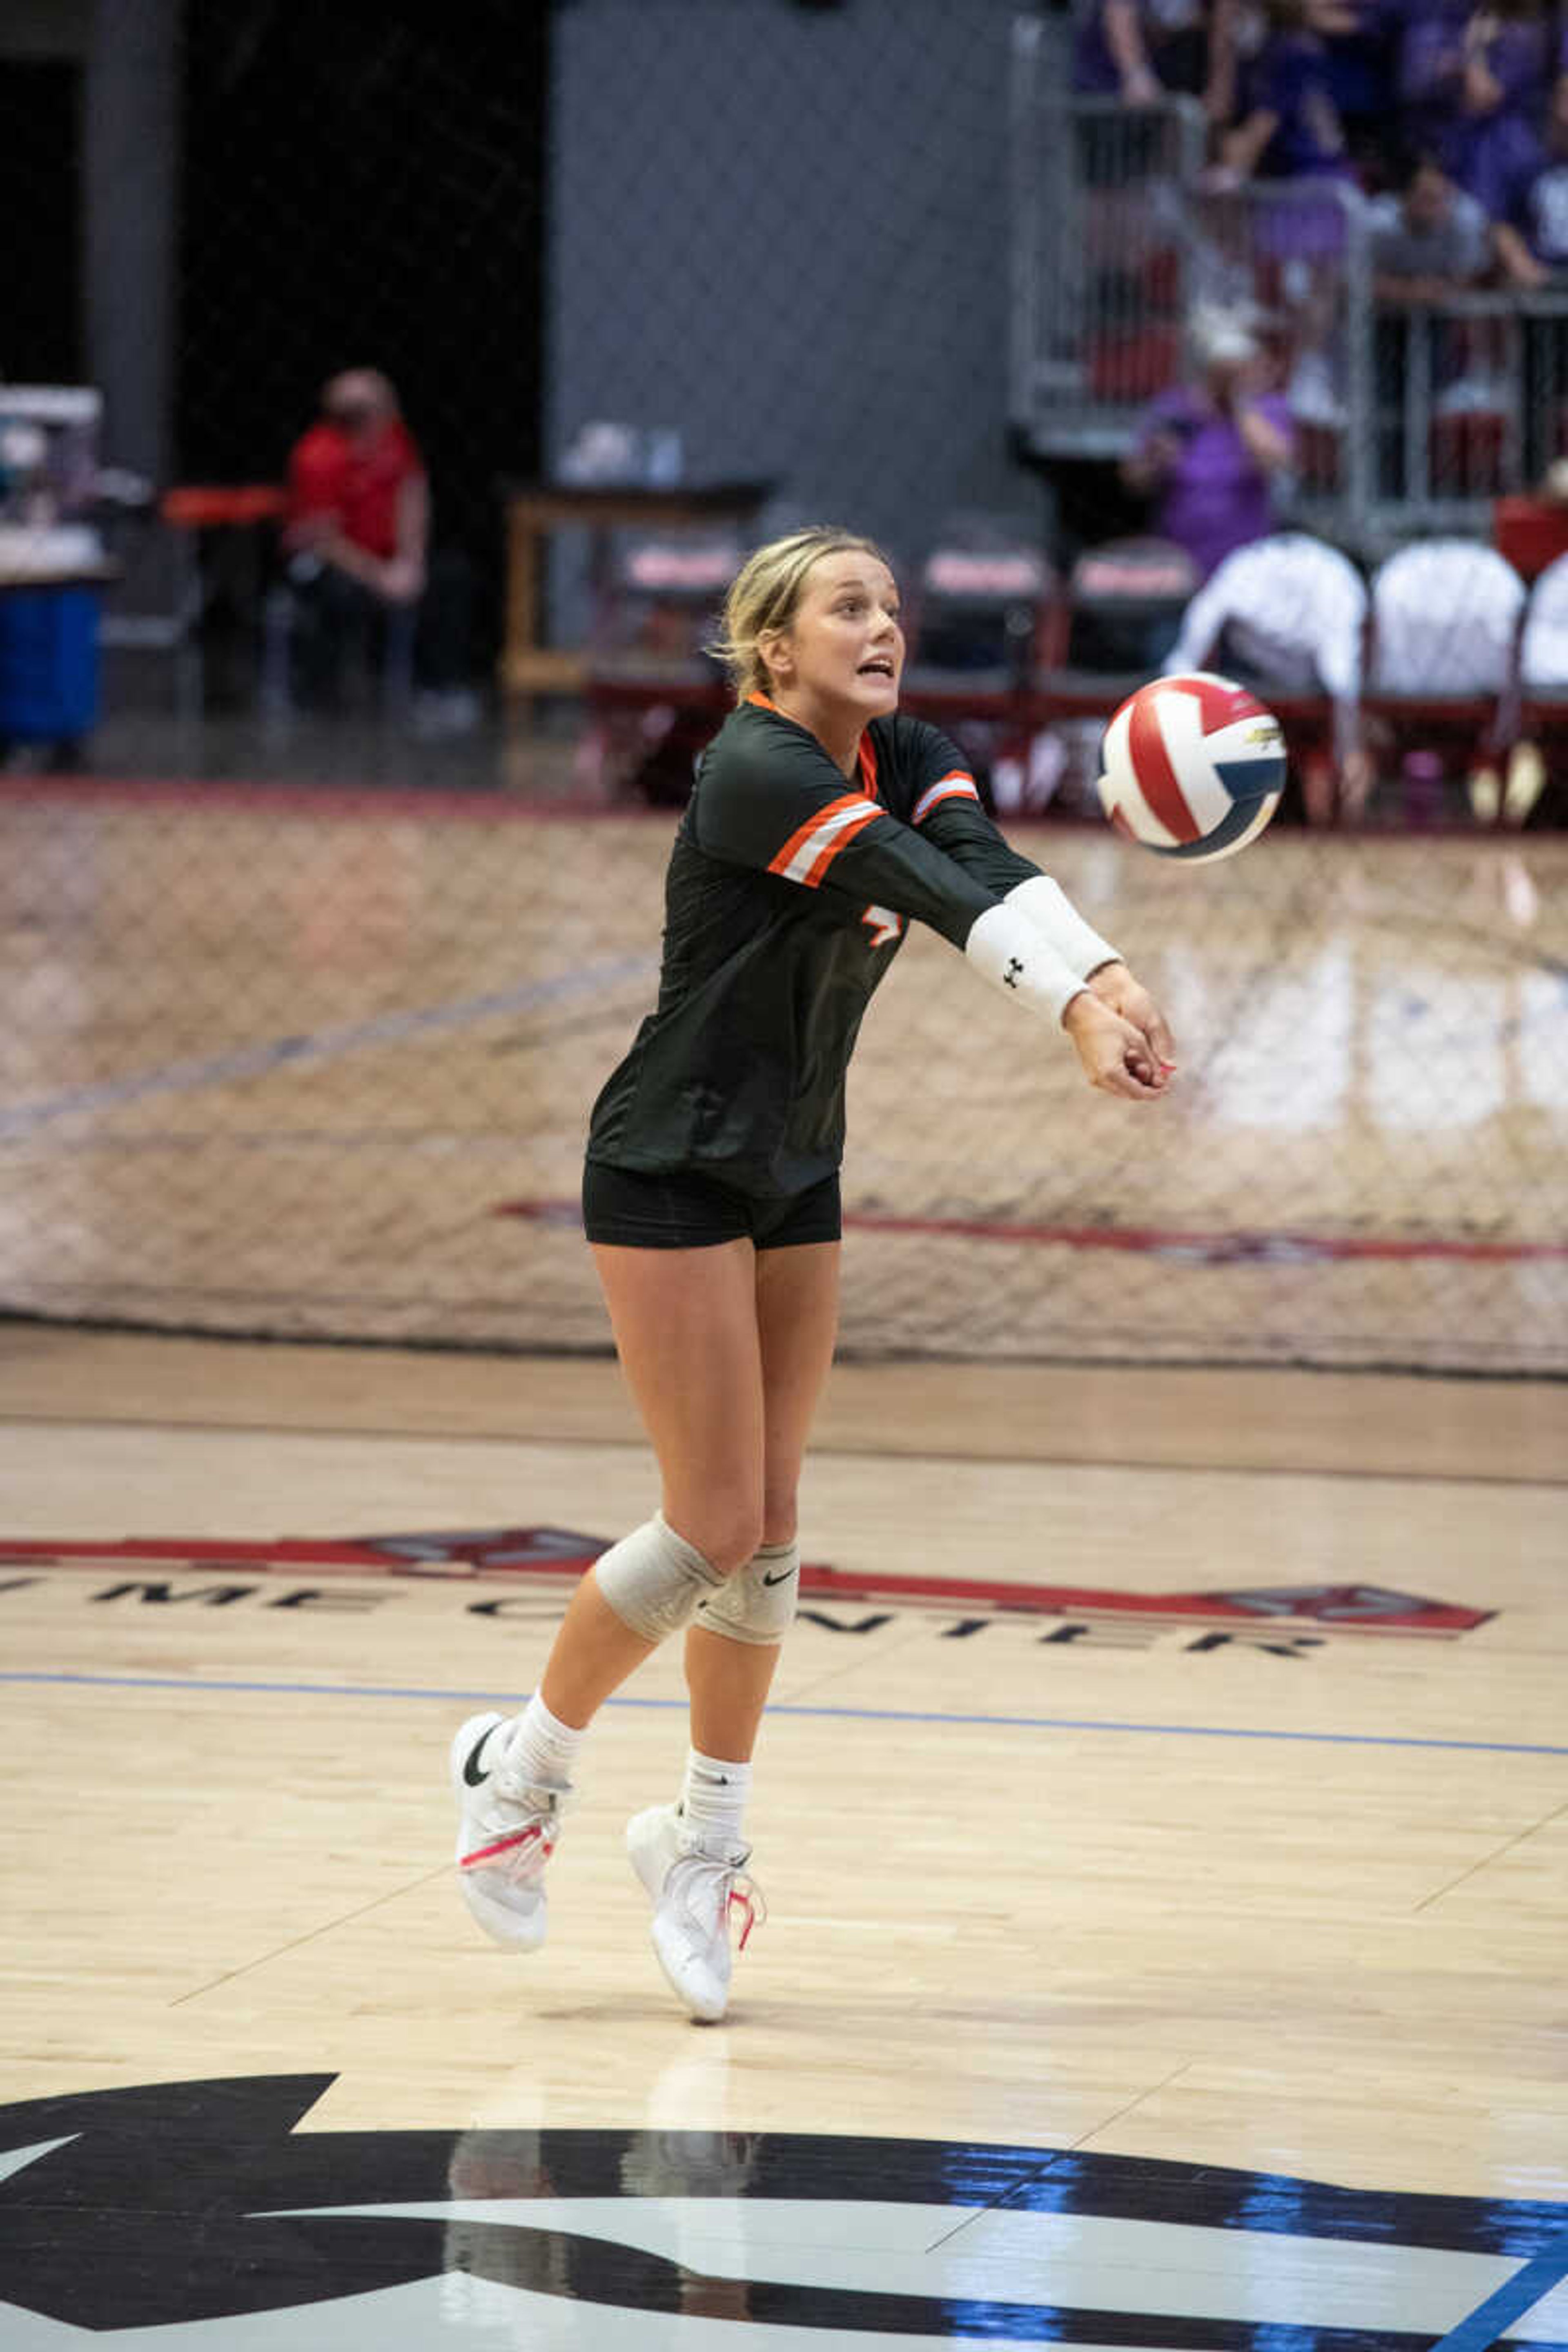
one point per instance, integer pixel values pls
(1192, 766)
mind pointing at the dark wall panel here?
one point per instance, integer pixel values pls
(362, 187)
(40, 221)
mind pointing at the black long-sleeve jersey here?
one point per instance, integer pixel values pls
(788, 895)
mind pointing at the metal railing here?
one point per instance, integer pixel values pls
(1469, 402)
(1102, 240)
(1409, 418)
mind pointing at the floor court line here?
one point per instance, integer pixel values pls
(489, 1695)
(1514, 2300)
(1228, 1248)
(839, 1449)
(251, 1060)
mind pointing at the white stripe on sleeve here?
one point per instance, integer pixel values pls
(957, 786)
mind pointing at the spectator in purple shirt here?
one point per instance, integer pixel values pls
(1139, 49)
(1532, 231)
(1360, 39)
(1508, 64)
(1210, 452)
(1430, 77)
(1291, 128)
(1471, 81)
(1292, 131)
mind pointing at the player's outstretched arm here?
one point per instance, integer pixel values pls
(1008, 950)
(781, 807)
(949, 813)
(789, 814)
(1053, 914)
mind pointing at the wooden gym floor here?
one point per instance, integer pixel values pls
(1164, 1810)
(1167, 1884)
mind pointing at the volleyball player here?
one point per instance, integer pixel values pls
(820, 823)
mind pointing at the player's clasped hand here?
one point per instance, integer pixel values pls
(1122, 1036)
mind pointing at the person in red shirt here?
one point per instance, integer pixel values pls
(357, 535)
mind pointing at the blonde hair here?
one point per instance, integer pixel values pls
(765, 596)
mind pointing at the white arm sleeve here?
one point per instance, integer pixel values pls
(1006, 949)
(1048, 910)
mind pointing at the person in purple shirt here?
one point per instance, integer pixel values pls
(1210, 452)
(1139, 49)
(1431, 68)
(1532, 228)
(1291, 133)
(1291, 128)
(1471, 83)
(1359, 39)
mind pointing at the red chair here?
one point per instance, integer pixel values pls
(1122, 597)
(217, 533)
(1529, 533)
(1320, 453)
(653, 694)
(1133, 365)
(1467, 454)
(988, 607)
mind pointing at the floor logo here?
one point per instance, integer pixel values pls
(194, 2215)
(539, 1556)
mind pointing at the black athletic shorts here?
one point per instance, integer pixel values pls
(683, 1211)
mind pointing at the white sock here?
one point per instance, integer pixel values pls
(543, 1748)
(713, 1801)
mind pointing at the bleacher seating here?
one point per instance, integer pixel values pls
(652, 691)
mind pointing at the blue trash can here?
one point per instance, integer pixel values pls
(49, 663)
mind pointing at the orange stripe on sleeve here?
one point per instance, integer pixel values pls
(841, 839)
(837, 809)
(957, 784)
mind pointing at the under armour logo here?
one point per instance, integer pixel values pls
(1010, 977)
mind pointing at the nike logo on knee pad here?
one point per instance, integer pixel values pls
(782, 1578)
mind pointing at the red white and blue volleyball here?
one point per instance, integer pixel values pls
(1193, 767)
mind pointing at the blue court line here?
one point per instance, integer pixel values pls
(320, 1045)
(1515, 2299)
(830, 1714)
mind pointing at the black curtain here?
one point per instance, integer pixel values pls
(363, 186)
(40, 221)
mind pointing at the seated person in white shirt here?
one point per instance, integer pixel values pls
(1288, 615)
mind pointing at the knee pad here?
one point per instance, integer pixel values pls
(758, 1603)
(653, 1578)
